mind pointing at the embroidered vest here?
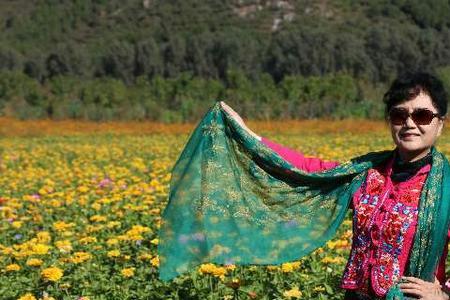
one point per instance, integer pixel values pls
(384, 221)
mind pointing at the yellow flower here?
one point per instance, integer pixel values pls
(42, 191)
(62, 226)
(64, 260)
(40, 249)
(289, 267)
(319, 289)
(96, 206)
(319, 250)
(34, 262)
(155, 211)
(128, 272)
(135, 237)
(332, 260)
(94, 228)
(44, 237)
(213, 270)
(145, 256)
(347, 234)
(155, 261)
(230, 267)
(111, 242)
(64, 246)
(52, 274)
(122, 237)
(27, 296)
(98, 218)
(292, 293)
(331, 244)
(347, 222)
(136, 230)
(9, 250)
(16, 224)
(83, 189)
(12, 267)
(154, 241)
(113, 224)
(79, 257)
(114, 253)
(206, 268)
(87, 240)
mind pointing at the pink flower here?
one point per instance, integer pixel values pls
(105, 182)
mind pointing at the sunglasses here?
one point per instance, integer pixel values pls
(420, 116)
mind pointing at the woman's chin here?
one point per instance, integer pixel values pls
(411, 149)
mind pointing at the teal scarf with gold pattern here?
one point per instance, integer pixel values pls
(233, 200)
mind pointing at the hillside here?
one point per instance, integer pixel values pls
(370, 41)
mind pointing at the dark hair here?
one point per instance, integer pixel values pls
(409, 85)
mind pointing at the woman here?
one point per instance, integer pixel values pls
(235, 200)
(416, 121)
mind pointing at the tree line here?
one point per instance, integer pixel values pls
(167, 60)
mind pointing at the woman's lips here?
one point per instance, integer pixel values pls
(408, 135)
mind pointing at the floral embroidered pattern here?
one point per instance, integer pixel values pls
(388, 268)
(384, 222)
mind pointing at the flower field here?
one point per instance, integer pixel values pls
(80, 207)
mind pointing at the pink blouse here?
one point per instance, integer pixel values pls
(384, 223)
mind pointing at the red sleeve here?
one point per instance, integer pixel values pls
(297, 159)
(440, 272)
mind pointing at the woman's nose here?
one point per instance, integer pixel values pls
(409, 122)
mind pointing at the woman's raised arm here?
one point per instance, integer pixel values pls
(238, 118)
(307, 164)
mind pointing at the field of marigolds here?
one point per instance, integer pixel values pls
(80, 207)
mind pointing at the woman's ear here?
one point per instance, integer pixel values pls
(441, 125)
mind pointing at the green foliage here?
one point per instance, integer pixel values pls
(126, 40)
(174, 57)
(435, 13)
(444, 75)
(186, 97)
(21, 96)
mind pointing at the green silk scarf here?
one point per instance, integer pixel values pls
(233, 200)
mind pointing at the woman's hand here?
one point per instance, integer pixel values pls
(423, 289)
(231, 112)
(238, 118)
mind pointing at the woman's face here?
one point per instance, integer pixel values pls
(414, 141)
